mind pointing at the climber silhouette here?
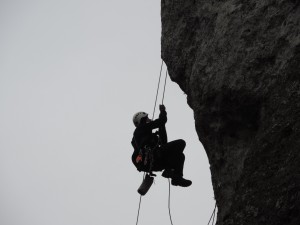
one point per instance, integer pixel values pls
(153, 152)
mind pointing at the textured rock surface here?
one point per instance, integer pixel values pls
(238, 62)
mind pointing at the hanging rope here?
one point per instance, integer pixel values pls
(213, 221)
(213, 215)
(162, 102)
(162, 62)
(140, 201)
(137, 219)
(169, 204)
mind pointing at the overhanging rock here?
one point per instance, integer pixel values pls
(239, 64)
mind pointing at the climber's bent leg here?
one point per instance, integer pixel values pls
(174, 162)
(176, 147)
(173, 158)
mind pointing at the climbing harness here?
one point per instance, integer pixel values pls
(148, 178)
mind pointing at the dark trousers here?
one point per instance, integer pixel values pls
(172, 156)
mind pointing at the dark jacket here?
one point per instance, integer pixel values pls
(144, 138)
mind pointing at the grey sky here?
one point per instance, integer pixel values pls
(72, 74)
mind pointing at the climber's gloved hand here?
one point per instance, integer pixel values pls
(163, 114)
(162, 108)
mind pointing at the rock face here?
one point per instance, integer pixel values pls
(238, 62)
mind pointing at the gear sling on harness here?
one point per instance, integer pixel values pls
(145, 157)
(145, 160)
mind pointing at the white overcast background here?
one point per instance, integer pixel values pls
(72, 74)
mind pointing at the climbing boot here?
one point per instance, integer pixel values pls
(180, 181)
(168, 173)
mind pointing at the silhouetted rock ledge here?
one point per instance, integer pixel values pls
(238, 62)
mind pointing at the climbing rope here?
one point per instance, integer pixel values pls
(140, 201)
(169, 204)
(163, 97)
(137, 218)
(162, 102)
(162, 63)
(213, 215)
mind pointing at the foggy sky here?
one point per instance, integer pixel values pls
(72, 74)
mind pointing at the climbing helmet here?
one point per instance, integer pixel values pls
(138, 117)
